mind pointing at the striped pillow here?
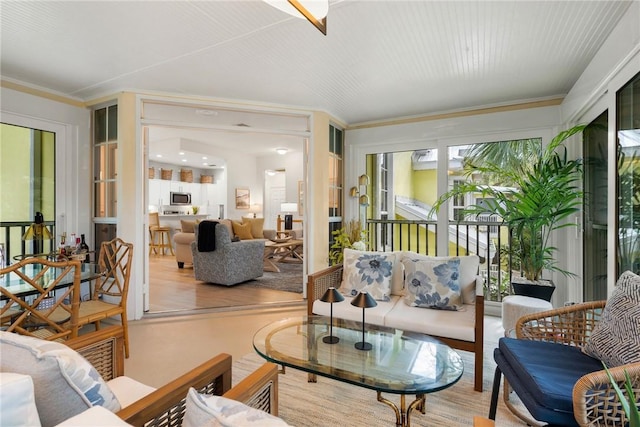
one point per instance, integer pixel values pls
(615, 340)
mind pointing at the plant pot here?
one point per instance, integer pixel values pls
(542, 289)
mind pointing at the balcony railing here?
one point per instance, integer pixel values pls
(483, 237)
(11, 242)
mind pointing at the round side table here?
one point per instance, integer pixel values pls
(516, 306)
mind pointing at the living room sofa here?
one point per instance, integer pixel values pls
(461, 329)
(183, 238)
(53, 385)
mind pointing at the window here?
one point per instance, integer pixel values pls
(335, 180)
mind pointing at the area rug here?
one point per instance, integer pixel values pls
(288, 279)
(332, 403)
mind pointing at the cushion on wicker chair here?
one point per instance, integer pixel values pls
(65, 383)
(616, 338)
(209, 410)
(545, 389)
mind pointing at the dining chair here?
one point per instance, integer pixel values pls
(41, 298)
(109, 297)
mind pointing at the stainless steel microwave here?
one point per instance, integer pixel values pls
(180, 198)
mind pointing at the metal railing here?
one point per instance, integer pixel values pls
(484, 238)
(11, 233)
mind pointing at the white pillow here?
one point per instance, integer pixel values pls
(433, 284)
(468, 272)
(65, 384)
(212, 411)
(17, 401)
(368, 271)
(96, 416)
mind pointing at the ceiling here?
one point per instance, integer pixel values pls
(379, 59)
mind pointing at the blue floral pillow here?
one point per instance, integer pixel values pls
(367, 271)
(432, 284)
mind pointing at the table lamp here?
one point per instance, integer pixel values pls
(364, 300)
(288, 208)
(331, 295)
(37, 232)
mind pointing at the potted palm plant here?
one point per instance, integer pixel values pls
(534, 191)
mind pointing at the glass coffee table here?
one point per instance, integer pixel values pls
(396, 364)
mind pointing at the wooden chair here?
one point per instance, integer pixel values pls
(109, 297)
(159, 236)
(41, 298)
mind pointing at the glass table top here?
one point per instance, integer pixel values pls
(395, 364)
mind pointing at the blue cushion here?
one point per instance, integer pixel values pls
(543, 375)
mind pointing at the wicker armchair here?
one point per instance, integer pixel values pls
(594, 400)
(104, 349)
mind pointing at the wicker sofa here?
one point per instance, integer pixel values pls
(462, 329)
(165, 406)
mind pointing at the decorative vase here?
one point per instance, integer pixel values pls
(542, 289)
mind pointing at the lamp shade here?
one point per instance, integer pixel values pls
(332, 295)
(364, 300)
(289, 207)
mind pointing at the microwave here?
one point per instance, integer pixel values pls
(177, 199)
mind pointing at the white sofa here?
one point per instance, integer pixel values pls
(462, 329)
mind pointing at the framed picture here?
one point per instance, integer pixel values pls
(242, 198)
(300, 198)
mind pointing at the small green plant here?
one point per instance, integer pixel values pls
(350, 236)
(629, 404)
(195, 210)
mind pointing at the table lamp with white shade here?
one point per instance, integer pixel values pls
(288, 209)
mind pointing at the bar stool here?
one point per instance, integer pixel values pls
(159, 236)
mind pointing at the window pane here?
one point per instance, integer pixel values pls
(111, 199)
(100, 125)
(112, 122)
(112, 165)
(100, 197)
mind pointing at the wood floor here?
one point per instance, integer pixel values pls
(173, 289)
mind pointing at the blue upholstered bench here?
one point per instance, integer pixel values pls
(543, 375)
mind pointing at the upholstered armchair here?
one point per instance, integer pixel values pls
(226, 262)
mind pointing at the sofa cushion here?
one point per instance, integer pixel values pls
(368, 271)
(616, 337)
(432, 283)
(547, 387)
(210, 410)
(344, 310)
(127, 390)
(187, 226)
(65, 383)
(439, 323)
(243, 231)
(256, 225)
(468, 272)
(17, 401)
(96, 416)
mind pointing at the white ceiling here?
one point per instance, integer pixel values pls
(379, 60)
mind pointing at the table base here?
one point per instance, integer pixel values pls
(403, 414)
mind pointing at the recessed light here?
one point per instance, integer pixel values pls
(204, 157)
(184, 160)
(158, 155)
(181, 153)
(281, 150)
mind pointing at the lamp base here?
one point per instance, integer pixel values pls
(330, 340)
(288, 222)
(363, 346)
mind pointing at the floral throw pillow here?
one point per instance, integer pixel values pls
(432, 284)
(367, 271)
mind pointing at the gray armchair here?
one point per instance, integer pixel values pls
(230, 262)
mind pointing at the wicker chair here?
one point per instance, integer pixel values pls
(166, 406)
(109, 297)
(40, 314)
(594, 400)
